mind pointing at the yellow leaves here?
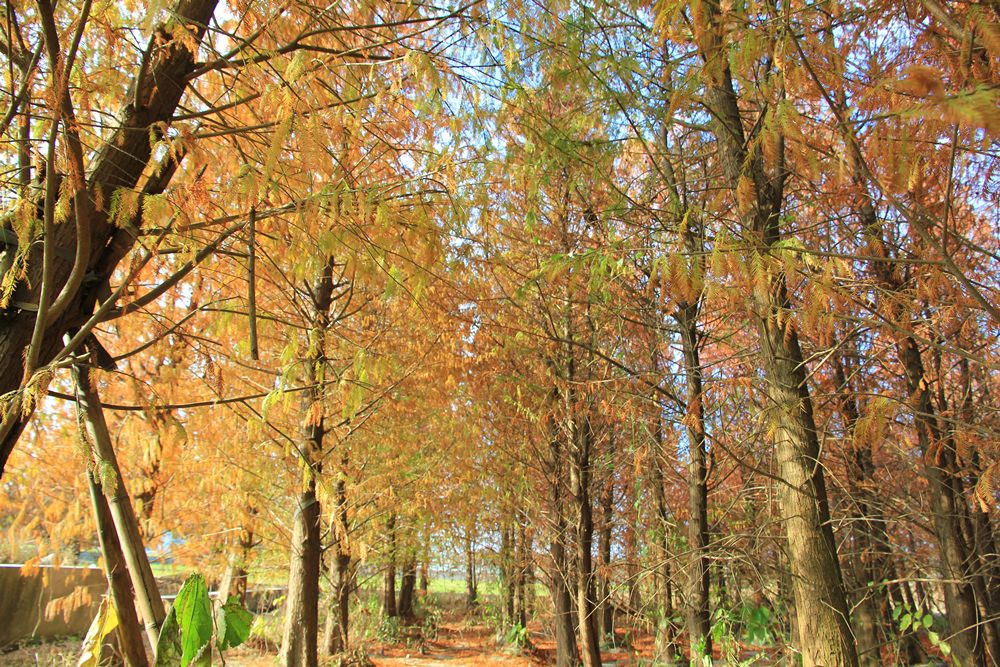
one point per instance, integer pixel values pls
(103, 624)
(34, 391)
(987, 487)
(746, 195)
(67, 604)
(124, 207)
(277, 145)
(296, 67)
(979, 108)
(871, 427)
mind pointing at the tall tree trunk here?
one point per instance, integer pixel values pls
(425, 563)
(471, 583)
(129, 630)
(299, 642)
(523, 564)
(389, 586)
(947, 507)
(406, 589)
(698, 618)
(127, 529)
(300, 639)
(338, 618)
(666, 634)
(982, 539)
(824, 633)
(567, 653)
(871, 558)
(507, 568)
(607, 629)
(580, 435)
(631, 521)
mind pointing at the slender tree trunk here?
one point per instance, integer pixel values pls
(129, 630)
(522, 563)
(425, 563)
(698, 617)
(982, 544)
(389, 587)
(471, 585)
(871, 557)
(631, 521)
(338, 618)
(143, 583)
(567, 653)
(507, 566)
(299, 643)
(300, 639)
(824, 633)
(941, 470)
(580, 435)
(607, 629)
(666, 650)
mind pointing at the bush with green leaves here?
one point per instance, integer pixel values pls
(914, 620)
(187, 632)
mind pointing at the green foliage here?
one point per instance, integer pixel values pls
(186, 635)
(916, 620)
(516, 636)
(234, 623)
(390, 630)
(750, 622)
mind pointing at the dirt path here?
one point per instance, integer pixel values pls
(456, 644)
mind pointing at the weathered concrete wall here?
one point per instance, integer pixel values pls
(49, 602)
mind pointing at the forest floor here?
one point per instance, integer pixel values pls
(461, 640)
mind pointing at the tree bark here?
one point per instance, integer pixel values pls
(631, 521)
(507, 567)
(824, 633)
(129, 630)
(300, 637)
(607, 628)
(338, 619)
(389, 608)
(665, 649)
(471, 582)
(941, 469)
(134, 552)
(406, 588)
(698, 617)
(523, 565)
(871, 557)
(567, 653)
